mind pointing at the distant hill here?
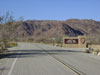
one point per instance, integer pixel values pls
(51, 28)
(88, 27)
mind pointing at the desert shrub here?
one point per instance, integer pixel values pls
(12, 44)
(89, 50)
(97, 50)
(3, 48)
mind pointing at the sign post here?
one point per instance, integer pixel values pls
(53, 40)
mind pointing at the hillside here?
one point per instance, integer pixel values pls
(46, 29)
(88, 27)
(50, 28)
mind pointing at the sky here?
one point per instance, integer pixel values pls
(52, 9)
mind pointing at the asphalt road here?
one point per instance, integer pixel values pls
(40, 59)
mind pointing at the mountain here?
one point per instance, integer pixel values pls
(88, 27)
(46, 29)
(38, 29)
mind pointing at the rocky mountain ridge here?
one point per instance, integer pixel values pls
(52, 28)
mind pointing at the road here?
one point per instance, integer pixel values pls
(40, 59)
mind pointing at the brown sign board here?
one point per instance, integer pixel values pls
(70, 41)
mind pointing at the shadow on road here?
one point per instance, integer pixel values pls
(34, 53)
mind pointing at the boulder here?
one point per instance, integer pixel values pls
(94, 52)
(99, 54)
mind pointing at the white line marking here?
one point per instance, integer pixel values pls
(13, 64)
(12, 67)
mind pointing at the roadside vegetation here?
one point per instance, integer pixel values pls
(95, 49)
(8, 28)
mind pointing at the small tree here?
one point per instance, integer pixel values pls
(7, 28)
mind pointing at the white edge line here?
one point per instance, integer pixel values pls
(13, 64)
